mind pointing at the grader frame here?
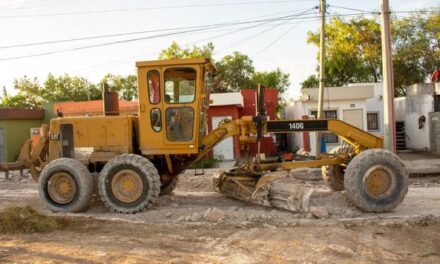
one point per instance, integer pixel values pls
(137, 157)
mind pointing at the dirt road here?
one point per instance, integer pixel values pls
(176, 232)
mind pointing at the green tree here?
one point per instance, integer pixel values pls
(69, 88)
(125, 86)
(274, 79)
(17, 101)
(416, 47)
(30, 93)
(55, 89)
(311, 82)
(175, 51)
(235, 72)
(353, 51)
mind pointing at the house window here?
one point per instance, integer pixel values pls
(373, 121)
(329, 114)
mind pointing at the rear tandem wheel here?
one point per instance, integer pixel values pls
(65, 185)
(129, 184)
(333, 175)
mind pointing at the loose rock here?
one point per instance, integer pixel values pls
(214, 215)
(320, 212)
(196, 217)
(251, 217)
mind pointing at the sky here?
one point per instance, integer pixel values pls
(270, 44)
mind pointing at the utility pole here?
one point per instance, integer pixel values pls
(322, 10)
(388, 79)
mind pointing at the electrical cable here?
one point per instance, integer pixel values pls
(276, 40)
(130, 33)
(123, 61)
(154, 8)
(137, 39)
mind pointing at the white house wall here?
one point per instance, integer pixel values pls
(339, 106)
(375, 104)
(400, 109)
(295, 111)
(417, 106)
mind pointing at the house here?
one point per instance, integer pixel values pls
(235, 106)
(16, 125)
(418, 117)
(225, 106)
(360, 105)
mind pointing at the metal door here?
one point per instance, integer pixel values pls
(354, 117)
(226, 147)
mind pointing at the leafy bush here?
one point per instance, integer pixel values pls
(207, 163)
(27, 220)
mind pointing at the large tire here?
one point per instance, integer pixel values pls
(65, 185)
(376, 180)
(168, 188)
(129, 184)
(333, 175)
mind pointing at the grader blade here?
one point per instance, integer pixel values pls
(280, 190)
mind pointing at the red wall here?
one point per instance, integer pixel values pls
(249, 109)
(270, 101)
(225, 110)
(249, 96)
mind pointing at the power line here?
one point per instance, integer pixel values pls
(132, 33)
(126, 60)
(350, 9)
(44, 4)
(277, 39)
(151, 37)
(391, 11)
(155, 8)
(264, 31)
(143, 38)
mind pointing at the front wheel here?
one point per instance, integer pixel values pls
(376, 180)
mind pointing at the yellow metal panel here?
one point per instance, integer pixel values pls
(152, 142)
(97, 133)
(108, 133)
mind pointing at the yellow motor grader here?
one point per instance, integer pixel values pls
(138, 157)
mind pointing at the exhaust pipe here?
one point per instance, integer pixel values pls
(110, 101)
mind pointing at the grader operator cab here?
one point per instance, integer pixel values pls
(137, 158)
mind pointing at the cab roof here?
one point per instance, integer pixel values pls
(175, 62)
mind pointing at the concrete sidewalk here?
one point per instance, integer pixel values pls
(421, 163)
(418, 164)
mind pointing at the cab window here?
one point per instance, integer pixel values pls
(153, 86)
(180, 85)
(179, 123)
(156, 119)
